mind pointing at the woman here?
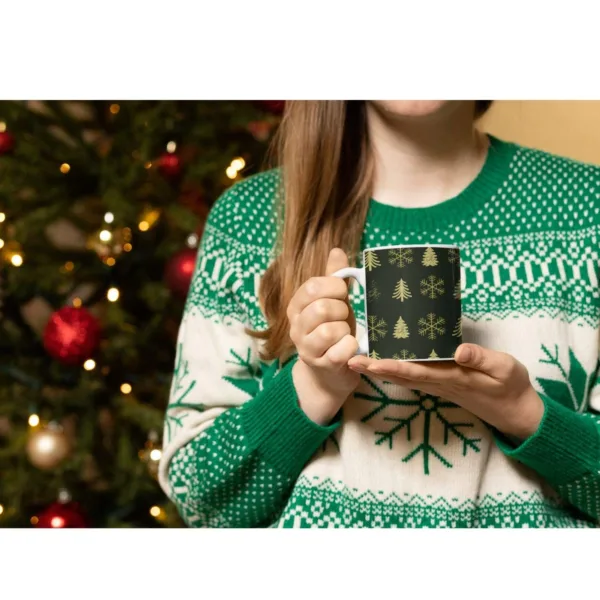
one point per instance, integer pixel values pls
(273, 421)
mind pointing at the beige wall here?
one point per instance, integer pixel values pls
(570, 128)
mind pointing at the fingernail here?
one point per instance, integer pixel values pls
(358, 368)
(464, 355)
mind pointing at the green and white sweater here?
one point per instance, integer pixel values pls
(239, 452)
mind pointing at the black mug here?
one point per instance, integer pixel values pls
(412, 301)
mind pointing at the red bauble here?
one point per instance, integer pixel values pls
(169, 165)
(61, 515)
(260, 130)
(273, 106)
(179, 271)
(72, 335)
(7, 142)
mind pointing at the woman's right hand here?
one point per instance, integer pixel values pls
(321, 324)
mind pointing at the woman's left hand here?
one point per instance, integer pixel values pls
(492, 385)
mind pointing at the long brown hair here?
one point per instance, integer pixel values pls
(327, 174)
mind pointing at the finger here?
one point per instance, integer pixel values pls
(434, 373)
(321, 311)
(337, 260)
(498, 365)
(339, 354)
(326, 335)
(315, 289)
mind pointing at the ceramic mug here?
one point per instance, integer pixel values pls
(412, 301)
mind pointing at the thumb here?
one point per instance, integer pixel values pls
(337, 260)
(478, 358)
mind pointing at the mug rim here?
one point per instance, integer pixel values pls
(411, 246)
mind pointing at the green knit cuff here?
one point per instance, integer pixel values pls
(278, 428)
(564, 448)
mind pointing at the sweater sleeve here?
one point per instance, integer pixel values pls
(235, 438)
(565, 451)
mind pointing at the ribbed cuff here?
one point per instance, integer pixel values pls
(564, 448)
(278, 428)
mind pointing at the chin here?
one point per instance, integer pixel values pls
(412, 108)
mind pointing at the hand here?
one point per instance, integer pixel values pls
(492, 385)
(321, 324)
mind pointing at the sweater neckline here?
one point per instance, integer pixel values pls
(453, 210)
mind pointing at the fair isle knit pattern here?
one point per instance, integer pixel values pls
(239, 452)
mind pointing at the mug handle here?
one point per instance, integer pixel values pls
(359, 275)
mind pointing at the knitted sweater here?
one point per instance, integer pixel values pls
(239, 452)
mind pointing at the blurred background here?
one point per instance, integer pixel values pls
(102, 205)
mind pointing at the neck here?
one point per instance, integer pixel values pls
(420, 162)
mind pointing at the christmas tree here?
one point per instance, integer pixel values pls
(401, 329)
(102, 206)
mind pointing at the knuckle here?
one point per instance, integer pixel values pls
(326, 332)
(321, 308)
(312, 287)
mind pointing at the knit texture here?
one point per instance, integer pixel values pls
(238, 450)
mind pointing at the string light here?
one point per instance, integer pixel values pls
(127, 247)
(144, 225)
(69, 266)
(155, 511)
(77, 302)
(105, 235)
(57, 522)
(114, 109)
(2, 217)
(1, 243)
(109, 217)
(2, 126)
(1, 509)
(126, 388)
(33, 420)
(192, 240)
(34, 520)
(148, 165)
(16, 260)
(155, 454)
(110, 261)
(65, 168)
(238, 163)
(89, 364)
(112, 294)
(150, 216)
(171, 147)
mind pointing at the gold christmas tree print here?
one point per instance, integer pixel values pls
(431, 326)
(374, 293)
(433, 354)
(377, 328)
(371, 260)
(453, 255)
(400, 257)
(457, 290)
(404, 355)
(401, 291)
(401, 329)
(429, 257)
(374, 355)
(457, 331)
(432, 287)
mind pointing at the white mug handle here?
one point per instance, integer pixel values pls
(359, 275)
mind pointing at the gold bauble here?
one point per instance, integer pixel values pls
(47, 447)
